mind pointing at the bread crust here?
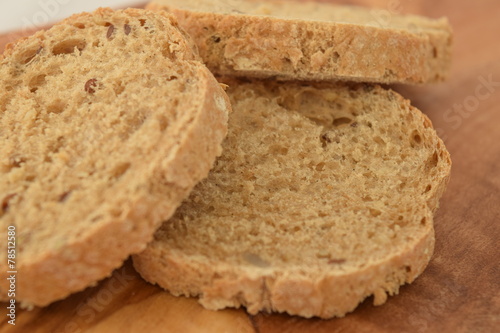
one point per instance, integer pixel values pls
(174, 169)
(306, 290)
(243, 44)
(297, 291)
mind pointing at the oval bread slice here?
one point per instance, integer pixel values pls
(107, 121)
(314, 41)
(323, 196)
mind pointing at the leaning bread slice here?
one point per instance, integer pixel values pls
(323, 196)
(107, 121)
(315, 41)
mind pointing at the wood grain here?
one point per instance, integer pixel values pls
(459, 291)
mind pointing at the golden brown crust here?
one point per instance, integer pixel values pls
(245, 44)
(179, 159)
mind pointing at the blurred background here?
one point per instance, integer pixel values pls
(31, 14)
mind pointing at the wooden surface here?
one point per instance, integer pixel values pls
(459, 291)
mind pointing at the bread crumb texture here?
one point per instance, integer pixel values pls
(107, 121)
(314, 41)
(324, 195)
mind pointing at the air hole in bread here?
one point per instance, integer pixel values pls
(434, 159)
(6, 202)
(278, 150)
(55, 146)
(375, 212)
(335, 56)
(117, 212)
(64, 196)
(324, 214)
(325, 139)
(16, 161)
(379, 140)
(79, 25)
(69, 46)
(36, 82)
(320, 166)
(28, 55)
(163, 122)
(56, 107)
(4, 100)
(428, 188)
(416, 137)
(142, 22)
(423, 221)
(165, 51)
(342, 121)
(336, 261)
(118, 88)
(434, 52)
(120, 170)
(96, 218)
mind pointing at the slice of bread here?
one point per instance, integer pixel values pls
(107, 121)
(314, 41)
(323, 196)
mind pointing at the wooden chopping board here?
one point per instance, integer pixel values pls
(459, 291)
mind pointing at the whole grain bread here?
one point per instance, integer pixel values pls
(323, 196)
(107, 121)
(314, 41)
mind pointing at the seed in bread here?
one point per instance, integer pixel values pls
(323, 196)
(107, 121)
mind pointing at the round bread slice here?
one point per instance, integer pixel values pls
(107, 121)
(323, 196)
(314, 41)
